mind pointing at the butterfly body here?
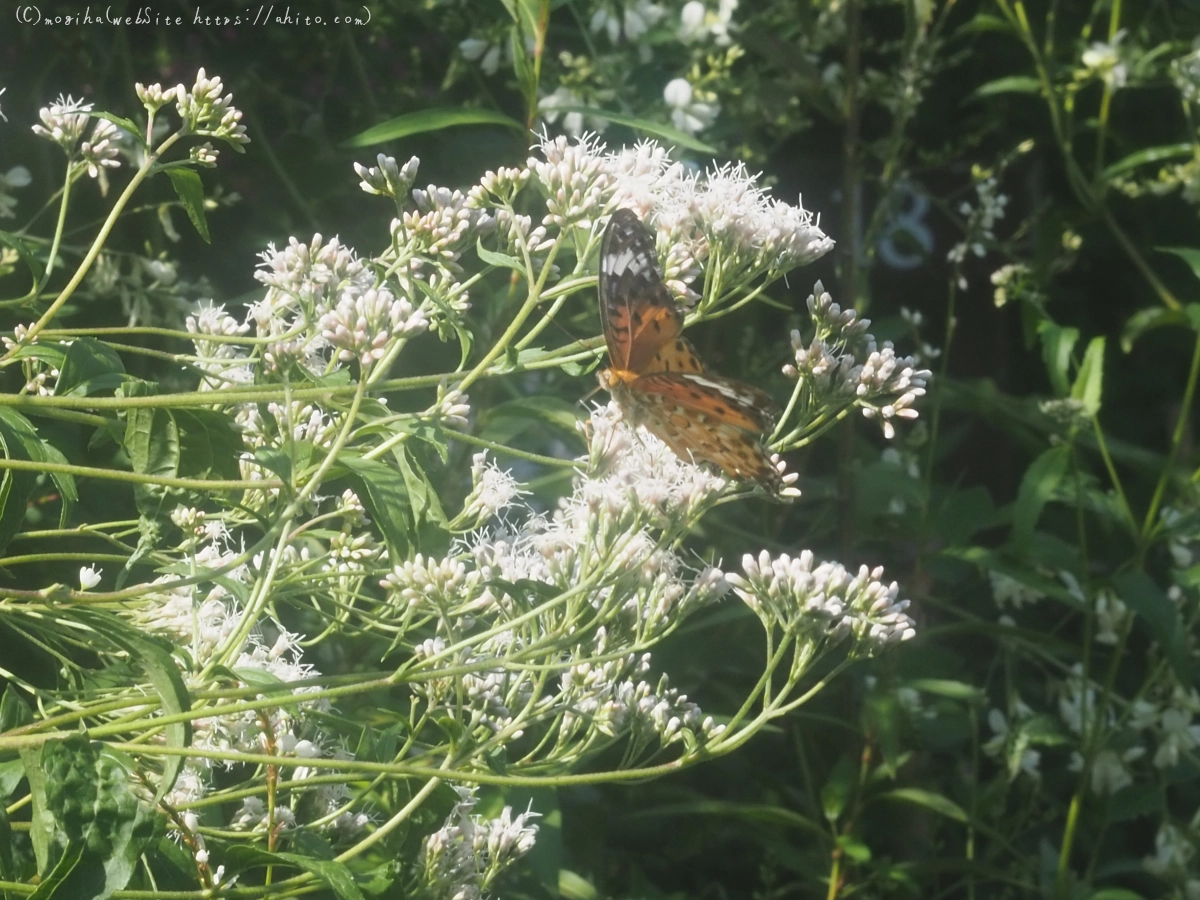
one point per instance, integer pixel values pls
(655, 374)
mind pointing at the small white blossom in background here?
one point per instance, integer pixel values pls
(1007, 591)
(699, 22)
(1185, 72)
(89, 577)
(14, 178)
(1173, 851)
(552, 105)
(63, 121)
(1012, 746)
(1110, 769)
(488, 54)
(688, 112)
(625, 19)
(1102, 59)
(980, 220)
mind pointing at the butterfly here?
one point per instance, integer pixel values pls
(655, 375)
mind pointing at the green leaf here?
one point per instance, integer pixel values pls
(16, 487)
(499, 260)
(1155, 609)
(1116, 894)
(1038, 486)
(11, 773)
(1057, 344)
(89, 365)
(87, 793)
(929, 800)
(190, 189)
(66, 865)
(837, 790)
(853, 848)
(1144, 157)
(37, 449)
(509, 419)
(152, 441)
(428, 515)
(1012, 84)
(430, 120)
(1156, 317)
(1189, 255)
(334, 874)
(646, 126)
(41, 825)
(155, 660)
(1089, 383)
(575, 887)
(208, 444)
(14, 711)
(942, 687)
(385, 497)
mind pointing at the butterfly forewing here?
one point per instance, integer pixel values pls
(711, 398)
(637, 312)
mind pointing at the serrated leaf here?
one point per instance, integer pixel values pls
(14, 711)
(1057, 345)
(1038, 486)
(86, 361)
(1012, 84)
(1089, 383)
(430, 120)
(190, 190)
(208, 444)
(645, 126)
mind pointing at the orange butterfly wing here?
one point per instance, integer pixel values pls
(637, 313)
(656, 373)
(707, 418)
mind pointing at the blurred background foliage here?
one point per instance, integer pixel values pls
(949, 767)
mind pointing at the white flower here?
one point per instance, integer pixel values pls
(635, 20)
(89, 577)
(486, 53)
(1103, 60)
(550, 106)
(688, 116)
(697, 22)
(101, 150)
(63, 121)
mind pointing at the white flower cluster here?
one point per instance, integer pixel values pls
(843, 364)
(463, 857)
(388, 179)
(362, 326)
(205, 112)
(63, 121)
(824, 599)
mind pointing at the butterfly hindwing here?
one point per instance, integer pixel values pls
(696, 431)
(715, 398)
(637, 311)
